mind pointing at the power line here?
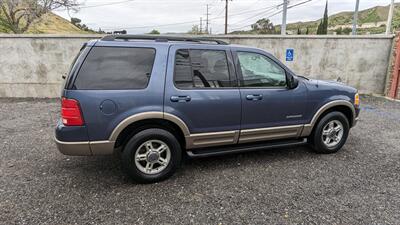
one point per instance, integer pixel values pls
(196, 21)
(275, 13)
(99, 5)
(261, 13)
(181, 23)
(267, 17)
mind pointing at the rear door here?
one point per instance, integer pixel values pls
(201, 89)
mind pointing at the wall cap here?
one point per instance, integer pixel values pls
(97, 36)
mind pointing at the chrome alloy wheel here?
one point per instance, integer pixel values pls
(152, 157)
(332, 133)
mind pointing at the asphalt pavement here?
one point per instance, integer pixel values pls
(358, 185)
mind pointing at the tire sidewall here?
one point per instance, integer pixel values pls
(129, 151)
(319, 145)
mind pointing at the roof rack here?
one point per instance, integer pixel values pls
(159, 38)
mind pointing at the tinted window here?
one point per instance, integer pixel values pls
(116, 68)
(183, 70)
(260, 71)
(201, 69)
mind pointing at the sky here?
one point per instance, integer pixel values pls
(141, 16)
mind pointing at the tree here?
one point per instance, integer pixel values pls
(346, 30)
(307, 31)
(339, 31)
(154, 31)
(263, 26)
(323, 26)
(195, 30)
(298, 31)
(75, 21)
(18, 15)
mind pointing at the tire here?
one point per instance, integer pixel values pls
(326, 137)
(143, 149)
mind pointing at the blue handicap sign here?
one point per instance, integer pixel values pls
(289, 54)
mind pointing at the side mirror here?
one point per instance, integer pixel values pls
(292, 82)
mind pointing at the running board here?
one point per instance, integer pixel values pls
(205, 152)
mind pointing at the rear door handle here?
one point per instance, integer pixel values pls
(175, 98)
(254, 97)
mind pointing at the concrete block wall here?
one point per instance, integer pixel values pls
(359, 61)
(32, 65)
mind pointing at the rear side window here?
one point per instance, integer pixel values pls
(201, 69)
(115, 68)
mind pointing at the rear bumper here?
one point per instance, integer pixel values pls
(73, 140)
(73, 148)
(85, 148)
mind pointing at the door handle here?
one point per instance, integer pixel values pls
(254, 97)
(175, 98)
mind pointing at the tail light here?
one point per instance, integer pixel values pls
(71, 112)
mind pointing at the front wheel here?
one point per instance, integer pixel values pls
(151, 155)
(331, 133)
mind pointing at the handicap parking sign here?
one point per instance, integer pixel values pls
(289, 54)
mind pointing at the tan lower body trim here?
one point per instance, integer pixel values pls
(102, 147)
(306, 130)
(271, 133)
(82, 148)
(251, 135)
(73, 148)
(212, 139)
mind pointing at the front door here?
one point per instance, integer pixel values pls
(270, 110)
(201, 89)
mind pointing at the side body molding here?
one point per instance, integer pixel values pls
(309, 127)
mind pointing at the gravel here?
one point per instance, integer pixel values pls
(358, 185)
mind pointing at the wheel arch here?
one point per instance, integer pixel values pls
(135, 123)
(342, 106)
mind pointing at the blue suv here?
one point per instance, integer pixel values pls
(156, 98)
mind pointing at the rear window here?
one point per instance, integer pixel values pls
(116, 68)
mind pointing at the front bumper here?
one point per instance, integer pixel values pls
(355, 121)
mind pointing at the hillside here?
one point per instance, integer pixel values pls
(50, 23)
(368, 18)
(372, 20)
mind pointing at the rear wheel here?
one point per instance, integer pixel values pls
(330, 134)
(151, 155)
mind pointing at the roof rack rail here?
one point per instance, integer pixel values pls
(159, 38)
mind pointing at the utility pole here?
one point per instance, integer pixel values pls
(390, 17)
(355, 18)
(284, 13)
(201, 25)
(207, 21)
(226, 16)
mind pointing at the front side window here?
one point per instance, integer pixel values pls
(114, 68)
(201, 69)
(260, 71)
